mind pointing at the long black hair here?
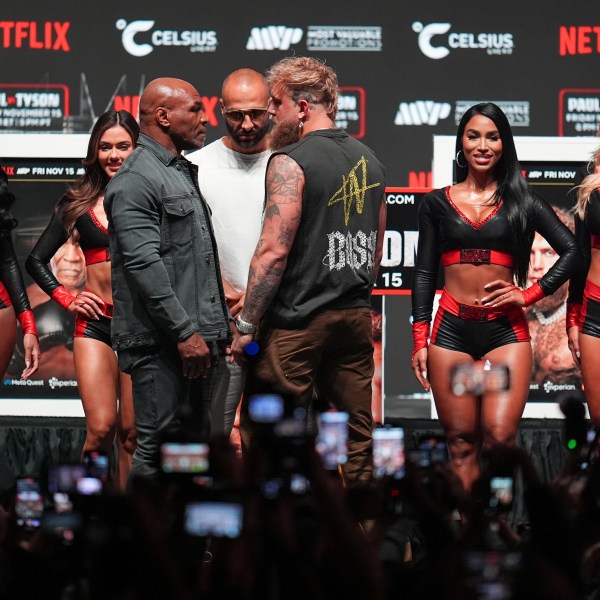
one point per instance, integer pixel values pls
(511, 188)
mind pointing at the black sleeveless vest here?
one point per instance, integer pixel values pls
(330, 265)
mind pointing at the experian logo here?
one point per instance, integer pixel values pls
(493, 43)
(273, 37)
(421, 112)
(197, 41)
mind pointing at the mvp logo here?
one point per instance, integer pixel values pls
(273, 37)
(421, 112)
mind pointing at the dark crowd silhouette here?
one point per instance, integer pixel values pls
(278, 524)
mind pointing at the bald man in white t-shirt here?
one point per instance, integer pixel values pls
(232, 180)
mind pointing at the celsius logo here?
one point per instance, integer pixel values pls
(421, 112)
(197, 41)
(493, 43)
(273, 37)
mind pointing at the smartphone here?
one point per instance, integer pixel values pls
(97, 463)
(29, 503)
(501, 493)
(89, 486)
(591, 450)
(332, 440)
(388, 452)
(491, 573)
(265, 408)
(63, 525)
(479, 378)
(184, 458)
(211, 518)
(62, 502)
(64, 477)
(431, 450)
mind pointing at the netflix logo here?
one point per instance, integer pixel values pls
(50, 35)
(578, 40)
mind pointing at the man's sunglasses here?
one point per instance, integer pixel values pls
(238, 116)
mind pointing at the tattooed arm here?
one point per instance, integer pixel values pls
(285, 186)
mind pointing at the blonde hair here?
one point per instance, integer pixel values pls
(587, 186)
(307, 79)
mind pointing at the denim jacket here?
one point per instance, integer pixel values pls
(165, 268)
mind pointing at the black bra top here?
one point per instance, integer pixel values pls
(92, 234)
(443, 227)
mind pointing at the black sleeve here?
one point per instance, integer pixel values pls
(426, 270)
(10, 274)
(577, 283)
(53, 237)
(563, 242)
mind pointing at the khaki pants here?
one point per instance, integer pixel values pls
(331, 357)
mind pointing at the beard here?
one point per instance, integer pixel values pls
(284, 134)
(247, 143)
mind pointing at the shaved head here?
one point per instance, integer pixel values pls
(244, 82)
(242, 90)
(172, 113)
(163, 92)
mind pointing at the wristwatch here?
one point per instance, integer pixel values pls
(244, 327)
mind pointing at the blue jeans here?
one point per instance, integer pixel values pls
(229, 385)
(166, 404)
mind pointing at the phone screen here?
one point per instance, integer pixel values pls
(501, 493)
(29, 503)
(97, 464)
(332, 439)
(265, 408)
(64, 478)
(388, 452)
(219, 519)
(184, 458)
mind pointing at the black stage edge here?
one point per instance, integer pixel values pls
(29, 444)
(542, 439)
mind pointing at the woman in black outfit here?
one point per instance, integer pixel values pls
(481, 231)
(13, 297)
(583, 304)
(80, 217)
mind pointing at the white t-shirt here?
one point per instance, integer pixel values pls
(233, 185)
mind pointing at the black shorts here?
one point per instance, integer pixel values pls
(477, 330)
(590, 310)
(5, 301)
(92, 329)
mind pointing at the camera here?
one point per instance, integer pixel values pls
(479, 378)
